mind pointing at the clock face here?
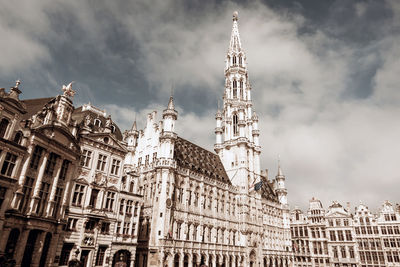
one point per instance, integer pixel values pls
(169, 202)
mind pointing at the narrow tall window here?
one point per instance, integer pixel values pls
(100, 255)
(65, 252)
(241, 89)
(51, 163)
(129, 205)
(43, 195)
(234, 60)
(3, 191)
(101, 162)
(3, 127)
(27, 189)
(110, 201)
(115, 166)
(240, 60)
(37, 154)
(86, 157)
(93, 198)
(18, 137)
(78, 195)
(235, 125)
(57, 200)
(9, 164)
(64, 169)
(234, 89)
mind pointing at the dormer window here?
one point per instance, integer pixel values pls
(112, 128)
(97, 122)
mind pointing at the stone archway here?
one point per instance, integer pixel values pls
(45, 250)
(12, 243)
(121, 258)
(252, 259)
(29, 247)
(186, 260)
(176, 260)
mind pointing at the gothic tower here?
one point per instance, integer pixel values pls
(237, 142)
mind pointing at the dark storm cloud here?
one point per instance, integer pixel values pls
(324, 76)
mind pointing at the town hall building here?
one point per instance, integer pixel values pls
(201, 207)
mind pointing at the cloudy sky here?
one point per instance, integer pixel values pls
(325, 77)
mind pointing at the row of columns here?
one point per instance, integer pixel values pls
(18, 196)
(211, 260)
(205, 233)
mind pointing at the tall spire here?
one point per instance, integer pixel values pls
(235, 45)
(237, 134)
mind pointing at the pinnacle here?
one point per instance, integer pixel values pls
(235, 44)
(171, 105)
(134, 127)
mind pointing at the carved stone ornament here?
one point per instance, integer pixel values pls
(68, 90)
(169, 203)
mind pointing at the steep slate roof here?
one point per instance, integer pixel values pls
(33, 106)
(196, 158)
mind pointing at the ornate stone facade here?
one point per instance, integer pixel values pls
(202, 208)
(39, 151)
(65, 193)
(341, 238)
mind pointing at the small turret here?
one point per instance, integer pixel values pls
(280, 185)
(168, 135)
(169, 116)
(131, 136)
(218, 131)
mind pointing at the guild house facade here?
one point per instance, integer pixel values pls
(341, 238)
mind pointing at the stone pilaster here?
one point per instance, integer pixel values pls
(36, 190)
(51, 205)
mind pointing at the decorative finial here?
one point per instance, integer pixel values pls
(280, 173)
(172, 89)
(68, 90)
(235, 16)
(17, 83)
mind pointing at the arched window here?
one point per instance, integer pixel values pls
(112, 128)
(234, 60)
(240, 60)
(3, 126)
(97, 122)
(235, 125)
(18, 137)
(234, 89)
(131, 186)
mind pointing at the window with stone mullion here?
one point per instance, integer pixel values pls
(51, 163)
(9, 164)
(43, 195)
